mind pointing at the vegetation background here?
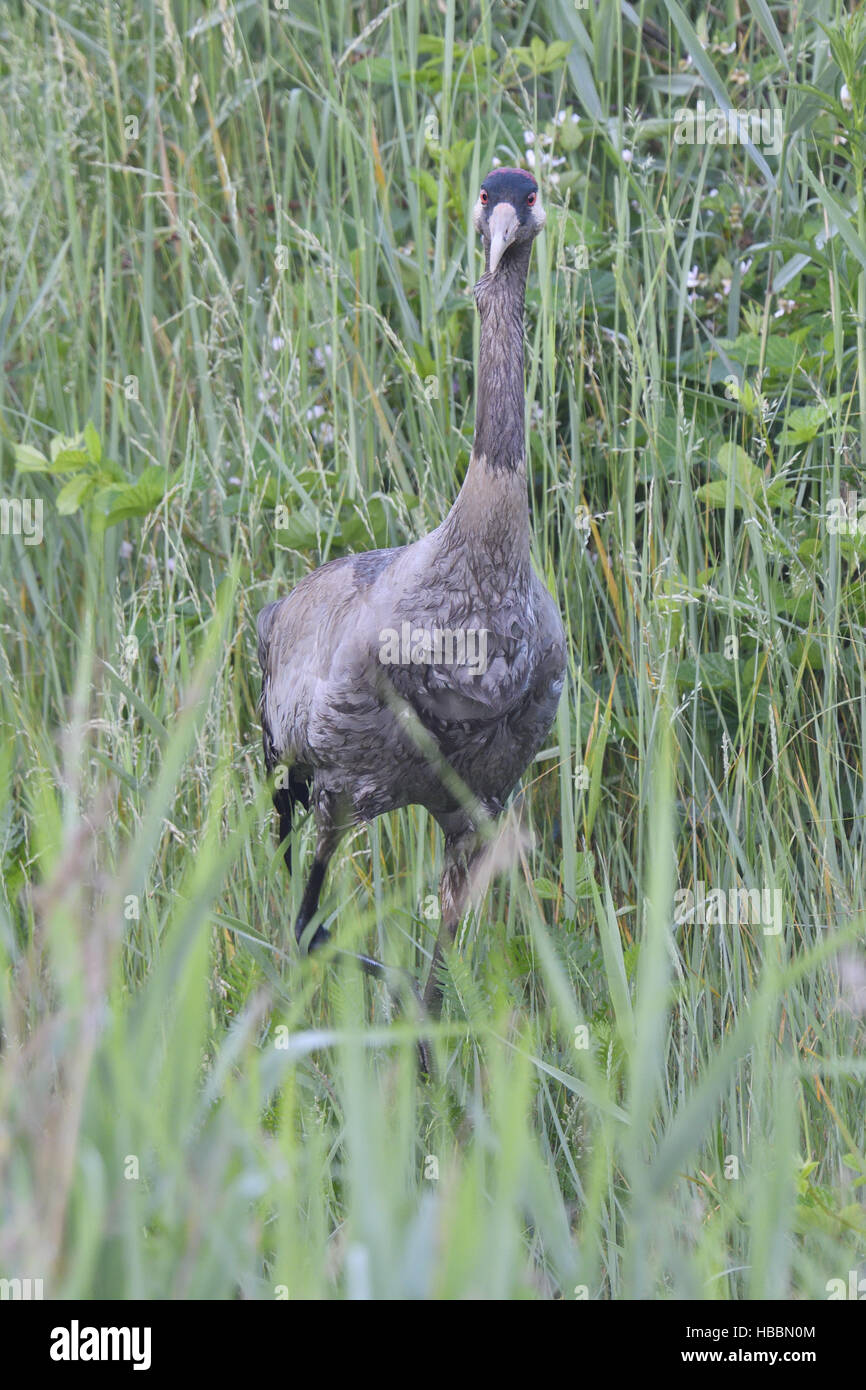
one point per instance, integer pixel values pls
(237, 339)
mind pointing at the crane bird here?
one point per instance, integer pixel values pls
(428, 674)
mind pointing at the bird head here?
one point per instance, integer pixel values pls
(508, 212)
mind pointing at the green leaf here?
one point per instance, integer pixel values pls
(804, 423)
(715, 494)
(93, 442)
(299, 534)
(750, 485)
(70, 460)
(782, 354)
(557, 52)
(545, 889)
(732, 459)
(426, 182)
(584, 862)
(73, 493)
(29, 460)
(120, 502)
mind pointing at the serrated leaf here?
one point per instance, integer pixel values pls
(545, 889)
(803, 424)
(750, 484)
(782, 354)
(121, 502)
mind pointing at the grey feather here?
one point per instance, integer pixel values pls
(341, 716)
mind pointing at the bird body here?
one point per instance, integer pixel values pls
(428, 674)
(323, 701)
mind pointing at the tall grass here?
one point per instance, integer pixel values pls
(239, 248)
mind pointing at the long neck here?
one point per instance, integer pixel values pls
(500, 439)
(490, 517)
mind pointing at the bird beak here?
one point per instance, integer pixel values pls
(503, 224)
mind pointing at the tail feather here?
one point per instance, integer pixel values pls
(285, 801)
(297, 789)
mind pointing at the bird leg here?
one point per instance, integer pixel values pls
(310, 901)
(461, 853)
(397, 981)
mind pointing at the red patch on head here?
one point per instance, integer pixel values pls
(500, 170)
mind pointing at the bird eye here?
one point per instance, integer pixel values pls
(484, 195)
(530, 200)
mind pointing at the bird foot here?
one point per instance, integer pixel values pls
(398, 982)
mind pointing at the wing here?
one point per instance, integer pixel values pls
(307, 647)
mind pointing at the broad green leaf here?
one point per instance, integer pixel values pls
(807, 421)
(73, 493)
(70, 460)
(122, 502)
(545, 889)
(29, 460)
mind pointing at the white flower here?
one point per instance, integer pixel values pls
(125, 550)
(627, 156)
(278, 343)
(528, 137)
(845, 97)
(530, 158)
